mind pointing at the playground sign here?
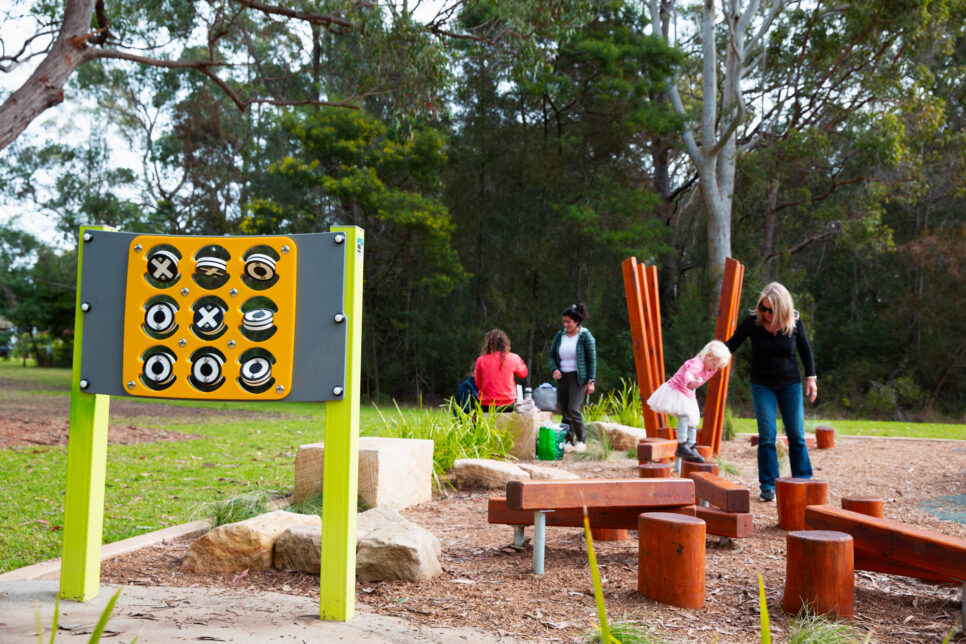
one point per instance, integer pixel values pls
(216, 318)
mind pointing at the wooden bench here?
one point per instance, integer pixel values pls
(614, 503)
(896, 548)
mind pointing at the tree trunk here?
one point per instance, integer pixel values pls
(44, 88)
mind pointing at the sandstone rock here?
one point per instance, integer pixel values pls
(246, 544)
(486, 473)
(403, 551)
(621, 437)
(299, 548)
(523, 430)
(395, 472)
(538, 473)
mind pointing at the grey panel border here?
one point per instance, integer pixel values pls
(320, 341)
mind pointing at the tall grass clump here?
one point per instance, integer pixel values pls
(239, 508)
(730, 428)
(455, 433)
(599, 447)
(808, 628)
(621, 406)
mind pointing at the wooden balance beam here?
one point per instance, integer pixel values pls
(613, 499)
(896, 548)
(731, 517)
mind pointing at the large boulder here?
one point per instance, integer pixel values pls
(394, 472)
(523, 430)
(247, 544)
(300, 548)
(396, 550)
(621, 437)
(483, 472)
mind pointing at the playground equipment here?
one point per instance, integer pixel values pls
(643, 309)
(670, 559)
(870, 505)
(819, 575)
(825, 437)
(612, 504)
(216, 318)
(793, 495)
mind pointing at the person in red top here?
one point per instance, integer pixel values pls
(495, 369)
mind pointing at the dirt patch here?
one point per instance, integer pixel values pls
(490, 585)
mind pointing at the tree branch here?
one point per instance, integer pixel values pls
(326, 20)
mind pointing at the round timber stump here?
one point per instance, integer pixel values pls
(871, 505)
(670, 559)
(654, 470)
(825, 437)
(793, 495)
(819, 574)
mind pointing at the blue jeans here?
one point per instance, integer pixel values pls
(788, 399)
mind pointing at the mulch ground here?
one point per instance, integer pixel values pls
(489, 584)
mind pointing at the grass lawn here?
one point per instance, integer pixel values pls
(153, 485)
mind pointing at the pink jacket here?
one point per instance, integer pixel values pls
(691, 371)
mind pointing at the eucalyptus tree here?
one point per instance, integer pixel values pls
(254, 52)
(765, 70)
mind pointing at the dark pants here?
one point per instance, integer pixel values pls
(570, 398)
(788, 400)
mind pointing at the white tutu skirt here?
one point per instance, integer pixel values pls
(668, 400)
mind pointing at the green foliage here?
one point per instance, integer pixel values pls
(627, 633)
(730, 428)
(617, 406)
(727, 467)
(238, 508)
(808, 628)
(598, 445)
(455, 434)
(763, 612)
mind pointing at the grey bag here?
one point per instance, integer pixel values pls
(545, 397)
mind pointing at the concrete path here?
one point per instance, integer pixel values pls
(166, 614)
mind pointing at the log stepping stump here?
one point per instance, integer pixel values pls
(655, 470)
(819, 574)
(670, 559)
(825, 437)
(793, 495)
(608, 534)
(870, 505)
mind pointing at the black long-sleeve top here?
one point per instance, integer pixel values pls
(773, 360)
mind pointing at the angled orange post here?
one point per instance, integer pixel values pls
(728, 304)
(635, 312)
(652, 326)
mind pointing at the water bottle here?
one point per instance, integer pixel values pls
(527, 393)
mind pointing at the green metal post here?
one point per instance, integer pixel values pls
(86, 462)
(340, 485)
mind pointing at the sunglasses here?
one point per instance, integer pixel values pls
(763, 308)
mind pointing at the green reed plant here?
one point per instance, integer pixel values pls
(238, 508)
(727, 467)
(763, 612)
(599, 447)
(617, 406)
(808, 628)
(455, 433)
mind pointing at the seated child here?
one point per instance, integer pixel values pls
(676, 396)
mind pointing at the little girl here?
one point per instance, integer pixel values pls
(676, 396)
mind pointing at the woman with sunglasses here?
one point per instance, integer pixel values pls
(777, 333)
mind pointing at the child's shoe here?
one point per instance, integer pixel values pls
(699, 458)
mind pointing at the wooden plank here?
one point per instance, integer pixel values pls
(610, 493)
(720, 493)
(655, 449)
(498, 512)
(718, 386)
(635, 313)
(894, 542)
(652, 323)
(726, 524)
(869, 561)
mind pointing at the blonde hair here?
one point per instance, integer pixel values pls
(717, 350)
(782, 308)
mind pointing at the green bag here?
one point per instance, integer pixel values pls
(550, 442)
